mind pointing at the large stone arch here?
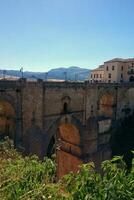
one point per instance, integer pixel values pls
(69, 151)
(68, 147)
(9, 99)
(13, 105)
(7, 119)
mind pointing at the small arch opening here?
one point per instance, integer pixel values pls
(65, 108)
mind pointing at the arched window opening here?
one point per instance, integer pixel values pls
(65, 108)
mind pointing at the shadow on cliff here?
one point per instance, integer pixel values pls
(122, 140)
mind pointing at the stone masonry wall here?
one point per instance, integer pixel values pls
(93, 108)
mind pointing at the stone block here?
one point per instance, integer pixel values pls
(89, 146)
(104, 139)
(104, 125)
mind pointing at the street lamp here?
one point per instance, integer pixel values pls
(65, 75)
(22, 73)
(46, 75)
(76, 77)
(4, 74)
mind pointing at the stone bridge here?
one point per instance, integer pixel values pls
(71, 119)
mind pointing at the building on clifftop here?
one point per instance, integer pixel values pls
(116, 70)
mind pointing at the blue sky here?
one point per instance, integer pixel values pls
(43, 34)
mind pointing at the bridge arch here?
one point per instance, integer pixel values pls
(65, 140)
(7, 119)
(10, 117)
(68, 152)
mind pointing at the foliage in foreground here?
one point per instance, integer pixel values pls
(26, 178)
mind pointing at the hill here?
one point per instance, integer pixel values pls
(71, 73)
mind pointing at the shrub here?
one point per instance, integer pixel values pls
(28, 178)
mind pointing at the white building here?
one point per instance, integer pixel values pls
(116, 70)
(97, 75)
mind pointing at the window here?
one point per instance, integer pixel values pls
(131, 71)
(91, 75)
(96, 75)
(112, 67)
(109, 75)
(100, 76)
(107, 68)
(122, 68)
(109, 81)
(121, 75)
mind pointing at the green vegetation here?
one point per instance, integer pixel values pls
(28, 178)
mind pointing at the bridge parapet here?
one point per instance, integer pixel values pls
(64, 84)
(9, 84)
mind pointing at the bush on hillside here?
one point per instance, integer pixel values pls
(28, 178)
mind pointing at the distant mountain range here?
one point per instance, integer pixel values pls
(71, 73)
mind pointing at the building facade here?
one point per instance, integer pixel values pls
(117, 70)
(97, 75)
